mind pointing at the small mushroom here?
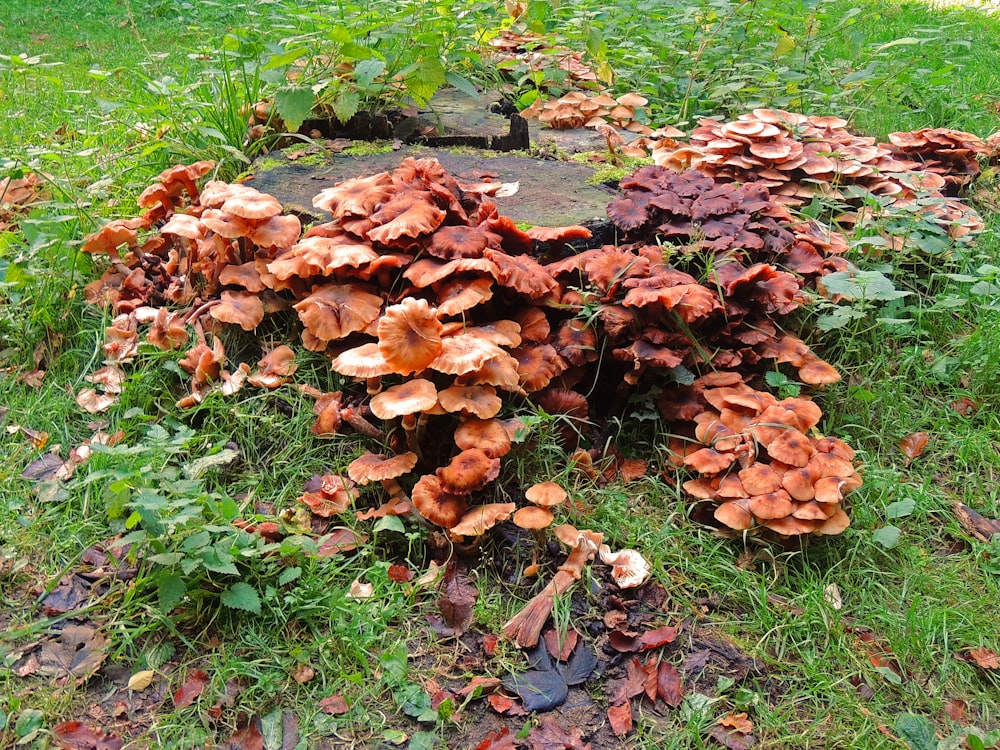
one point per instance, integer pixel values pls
(629, 568)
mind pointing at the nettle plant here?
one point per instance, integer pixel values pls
(155, 493)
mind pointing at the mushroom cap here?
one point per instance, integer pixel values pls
(759, 479)
(533, 518)
(735, 514)
(465, 353)
(244, 309)
(435, 503)
(469, 471)
(416, 395)
(479, 520)
(546, 494)
(489, 435)
(771, 505)
(252, 205)
(835, 524)
(409, 335)
(363, 361)
(629, 568)
(460, 295)
(476, 400)
(334, 311)
(709, 461)
(374, 467)
(405, 215)
(358, 196)
(791, 447)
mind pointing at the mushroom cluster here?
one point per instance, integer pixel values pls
(800, 157)
(577, 109)
(753, 261)
(17, 194)
(436, 306)
(952, 154)
(756, 458)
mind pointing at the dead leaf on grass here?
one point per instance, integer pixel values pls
(548, 735)
(71, 593)
(965, 406)
(42, 468)
(188, 693)
(78, 651)
(983, 658)
(458, 596)
(75, 735)
(620, 718)
(560, 645)
(733, 732)
(502, 740)
(975, 525)
(955, 710)
(913, 445)
(335, 705)
(38, 438)
(303, 673)
(669, 687)
(247, 738)
(141, 680)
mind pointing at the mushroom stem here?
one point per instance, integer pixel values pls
(361, 425)
(411, 426)
(201, 310)
(525, 627)
(374, 386)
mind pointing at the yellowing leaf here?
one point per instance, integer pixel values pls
(141, 680)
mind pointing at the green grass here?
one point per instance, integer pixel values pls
(110, 74)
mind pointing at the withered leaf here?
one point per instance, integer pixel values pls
(620, 718)
(502, 740)
(983, 657)
(187, 693)
(731, 739)
(484, 686)
(561, 645)
(669, 688)
(400, 573)
(956, 710)
(75, 735)
(458, 595)
(247, 738)
(42, 468)
(334, 705)
(659, 637)
(539, 690)
(548, 735)
(649, 677)
(78, 651)
(579, 667)
(913, 445)
(976, 525)
(340, 540)
(71, 593)
(504, 705)
(623, 642)
(633, 684)
(303, 673)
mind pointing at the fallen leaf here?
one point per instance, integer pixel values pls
(75, 735)
(71, 593)
(303, 673)
(502, 740)
(965, 406)
(832, 595)
(632, 469)
(42, 468)
(548, 735)
(484, 686)
(983, 657)
(360, 590)
(38, 438)
(490, 642)
(78, 651)
(400, 573)
(247, 738)
(634, 683)
(955, 710)
(503, 704)
(579, 667)
(913, 445)
(659, 637)
(187, 693)
(669, 687)
(458, 596)
(560, 645)
(539, 690)
(334, 705)
(340, 540)
(731, 739)
(141, 680)
(620, 718)
(33, 378)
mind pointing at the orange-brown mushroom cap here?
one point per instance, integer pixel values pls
(489, 435)
(533, 518)
(469, 471)
(374, 467)
(435, 503)
(416, 395)
(546, 494)
(409, 335)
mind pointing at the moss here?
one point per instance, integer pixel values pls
(368, 148)
(606, 173)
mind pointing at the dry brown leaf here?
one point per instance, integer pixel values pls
(983, 657)
(620, 718)
(75, 735)
(913, 445)
(334, 705)
(78, 651)
(187, 693)
(303, 673)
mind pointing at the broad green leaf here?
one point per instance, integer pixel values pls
(294, 104)
(426, 78)
(422, 741)
(785, 45)
(288, 575)
(862, 285)
(272, 730)
(887, 536)
(890, 675)
(917, 731)
(903, 42)
(366, 71)
(170, 590)
(345, 105)
(242, 596)
(167, 558)
(463, 84)
(389, 523)
(900, 509)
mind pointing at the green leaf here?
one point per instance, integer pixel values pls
(345, 105)
(242, 596)
(289, 575)
(167, 558)
(463, 84)
(389, 523)
(422, 741)
(862, 285)
(294, 104)
(785, 45)
(901, 508)
(272, 730)
(887, 536)
(29, 722)
(170, 590)
(426, 78)
(890, 675)
(917, 731)
(366, 71)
